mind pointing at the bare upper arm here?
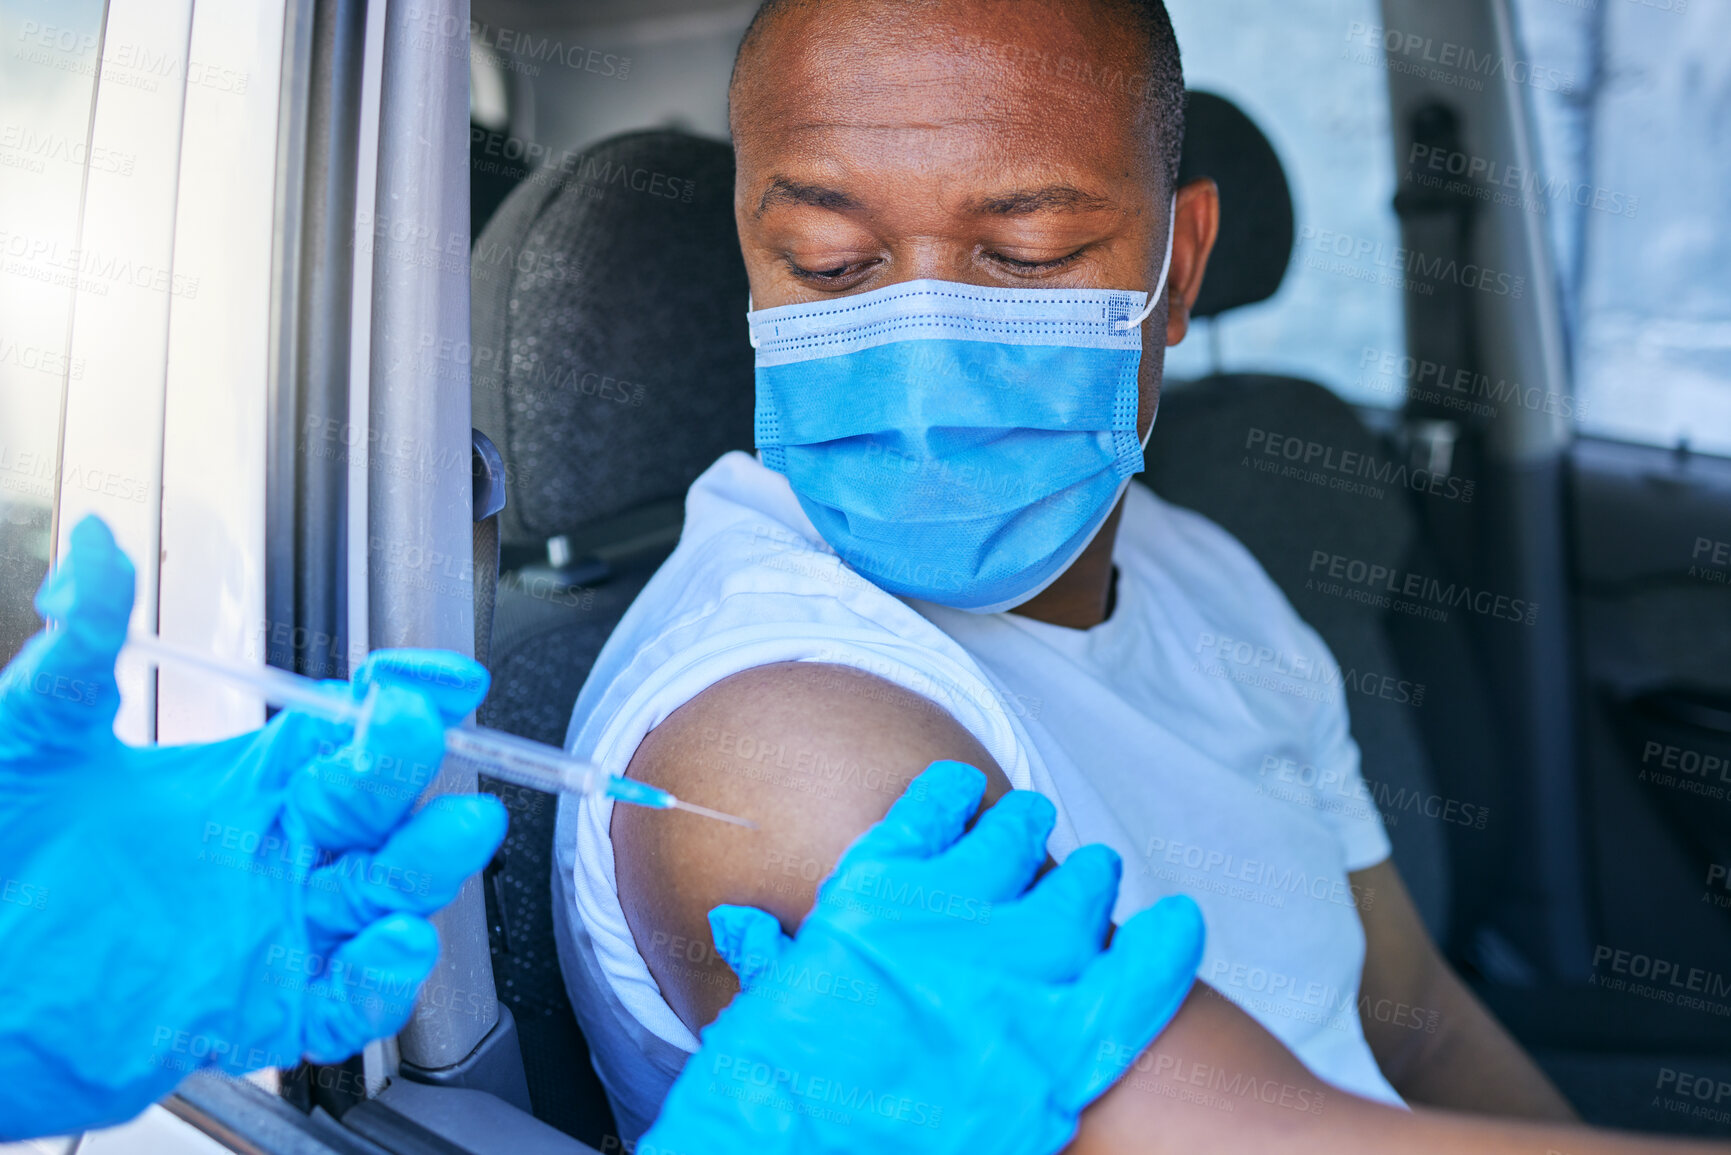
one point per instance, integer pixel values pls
(814, 754)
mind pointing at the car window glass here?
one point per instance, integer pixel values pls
(1634, 176)
(1324, 106)
(50, 52)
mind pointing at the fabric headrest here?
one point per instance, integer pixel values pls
(611, 363)
(1256, 220)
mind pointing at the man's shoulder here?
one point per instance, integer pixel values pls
(751, 584)
(746, 552)
(1213, 593)
(739, 497)
(1181, 546)
(743, 526)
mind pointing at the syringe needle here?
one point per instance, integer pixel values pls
(708, 813)
(499, 755)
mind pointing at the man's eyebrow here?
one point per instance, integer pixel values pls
(1061, 198)
(783, 191)
(1020, 202)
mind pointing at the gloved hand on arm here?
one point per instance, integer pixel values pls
(933, 1001)
(230, 905)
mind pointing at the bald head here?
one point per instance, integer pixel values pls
(1138, 57)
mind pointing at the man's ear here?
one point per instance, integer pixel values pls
(1193, 239)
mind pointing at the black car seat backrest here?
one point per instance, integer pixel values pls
(1256, 221)
(1417, 708)
(609, 327)
(611, 366)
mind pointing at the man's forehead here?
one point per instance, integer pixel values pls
(981, 68)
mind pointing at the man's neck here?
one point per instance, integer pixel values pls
(1081, 598)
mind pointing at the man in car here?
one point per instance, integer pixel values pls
(967, 255)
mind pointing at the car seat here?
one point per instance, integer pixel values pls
(1417, 707)
(611, 367)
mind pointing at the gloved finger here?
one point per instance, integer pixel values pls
(998, 858)
(1129, 994)
(1063, 920)
(61, 686)
(369, 989)
(930, 815)
(418, 871)
(454, 685)
(294, 740)
(355, 797)
(749, 940)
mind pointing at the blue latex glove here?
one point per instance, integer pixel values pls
(931, 1001)
(234, 905)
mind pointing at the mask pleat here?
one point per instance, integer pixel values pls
(955, 443)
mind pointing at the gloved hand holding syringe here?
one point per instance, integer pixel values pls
(500, 755)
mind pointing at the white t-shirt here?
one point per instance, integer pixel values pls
(1197, 732)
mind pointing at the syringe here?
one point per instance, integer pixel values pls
(494, 752)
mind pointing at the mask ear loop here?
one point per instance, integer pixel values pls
(1165, 269)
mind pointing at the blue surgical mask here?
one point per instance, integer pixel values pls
(956, 443)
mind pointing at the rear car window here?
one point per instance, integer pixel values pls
(1323, 103)
(1635, 160)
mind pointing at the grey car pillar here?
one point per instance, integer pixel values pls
(1518, 338)
(420, 579)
